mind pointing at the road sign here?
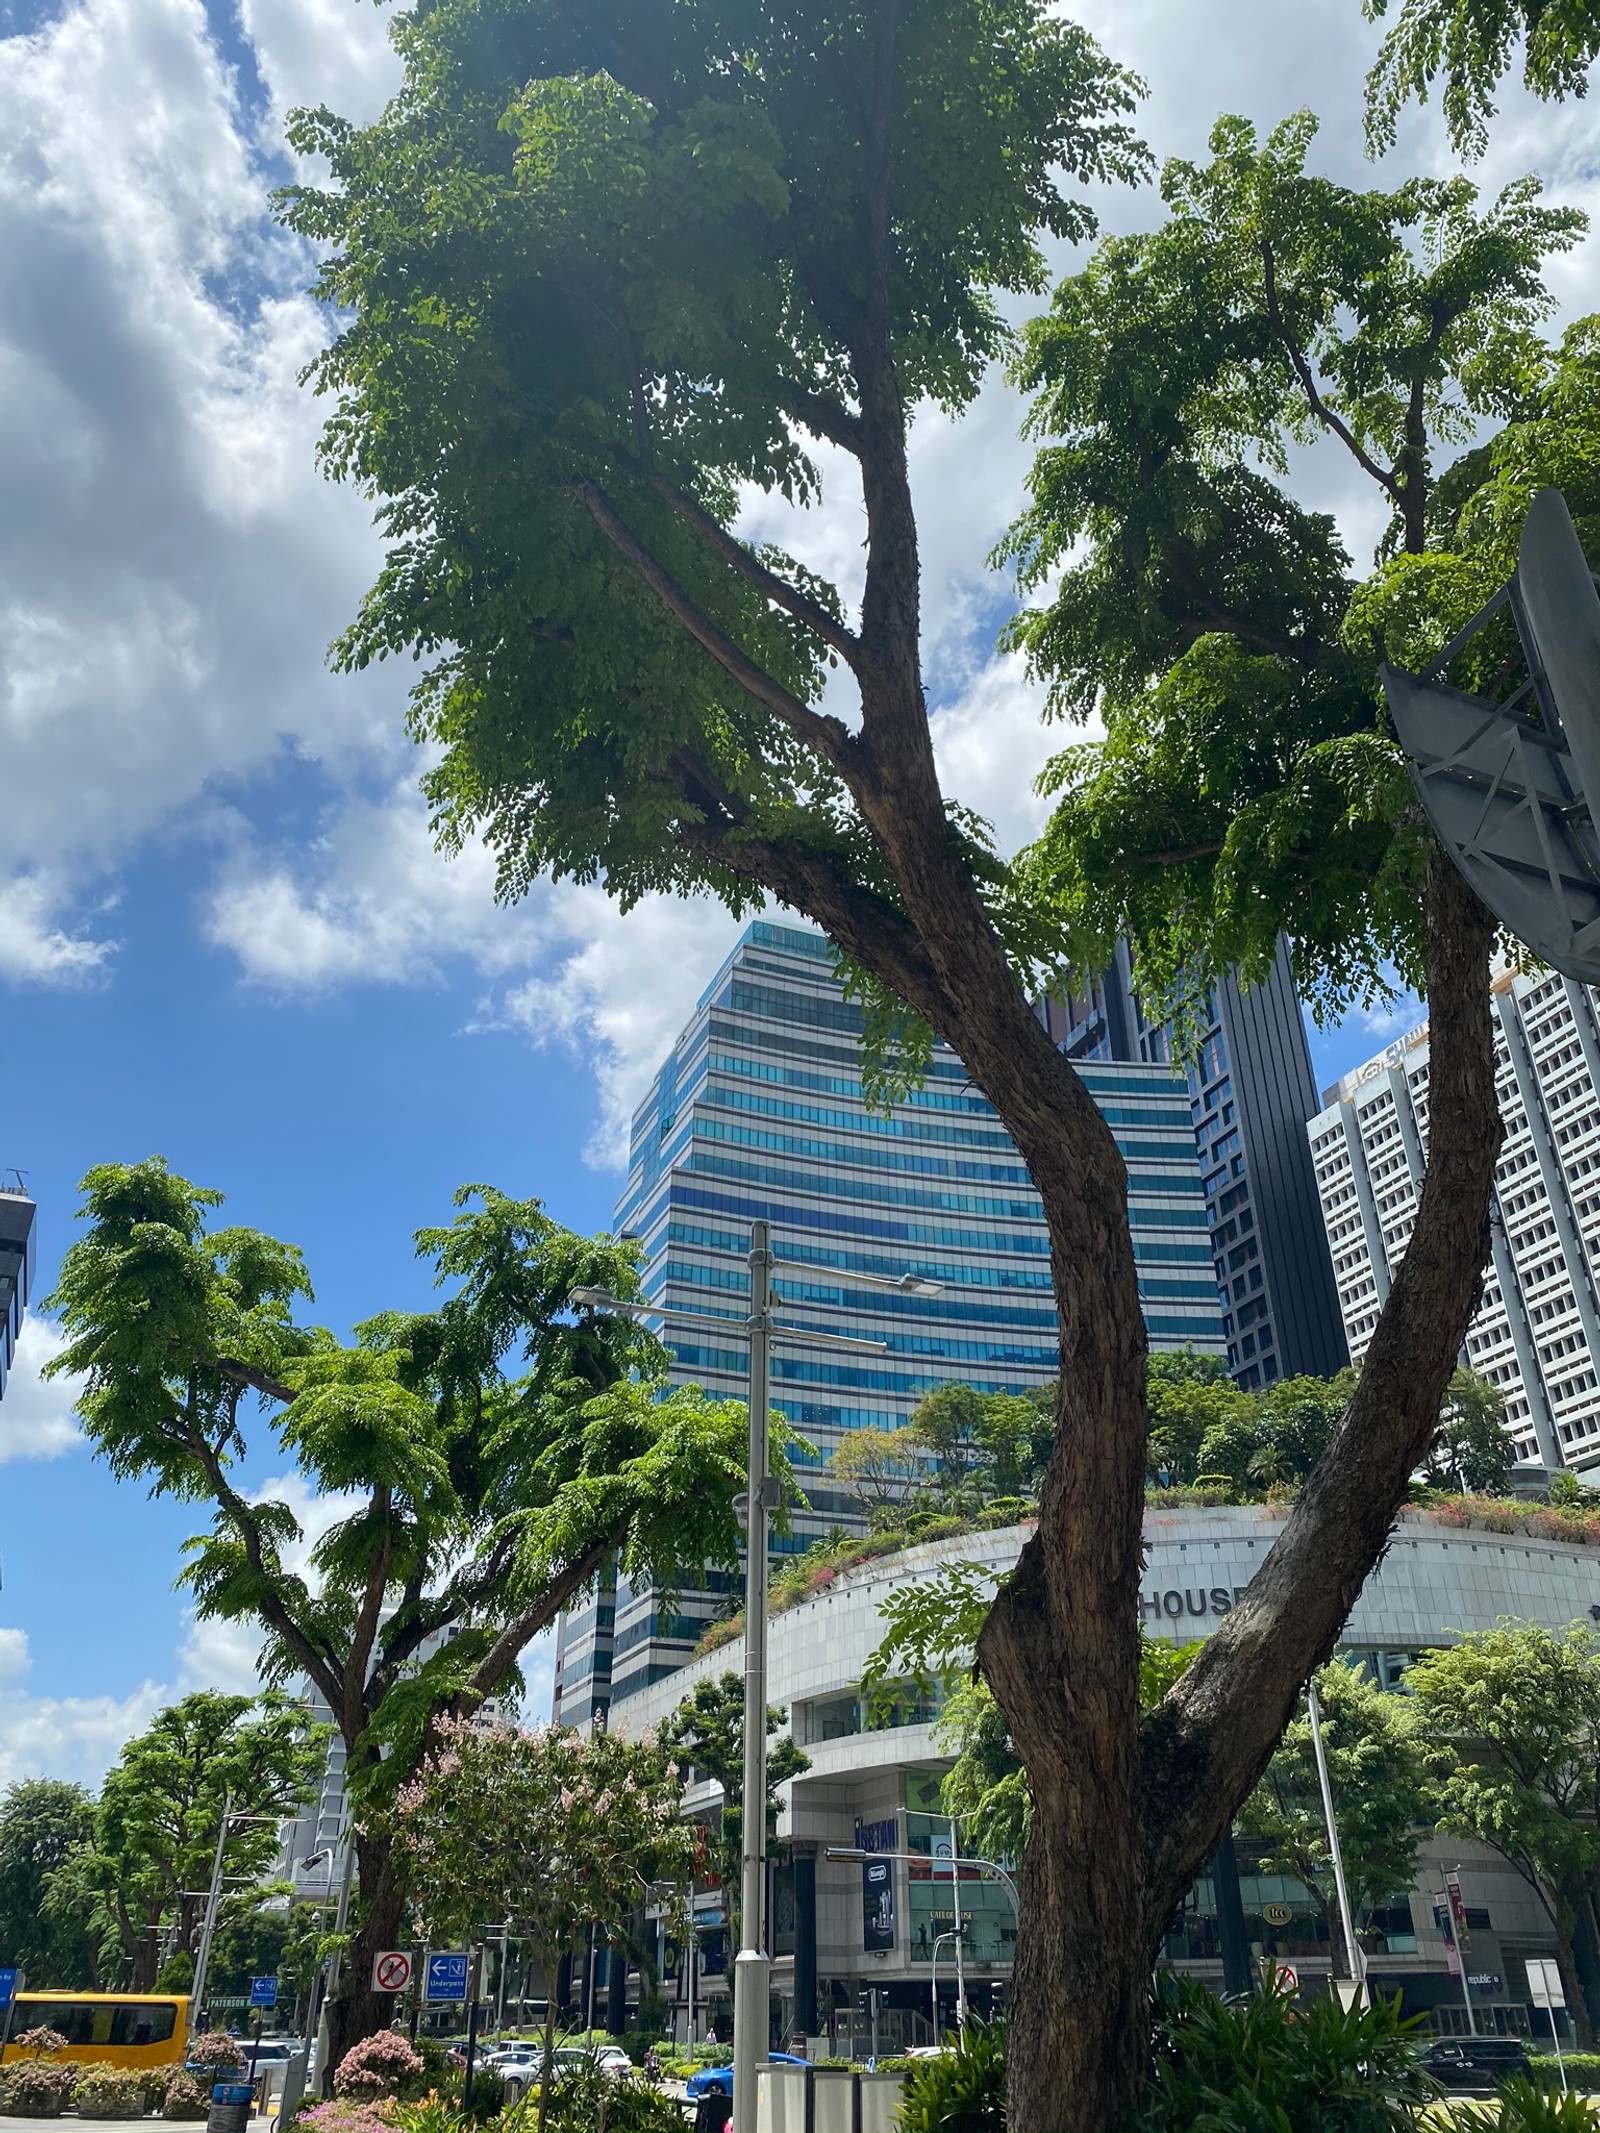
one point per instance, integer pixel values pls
(445, 1979)
(1283, 1977)
(391, 1971)
(263, 1992)
(1544, 1982)
(11, 1983)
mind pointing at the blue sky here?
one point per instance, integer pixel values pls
(224, 936)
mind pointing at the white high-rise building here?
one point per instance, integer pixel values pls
(1537, 1328)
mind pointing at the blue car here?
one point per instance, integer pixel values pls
(718, 2080)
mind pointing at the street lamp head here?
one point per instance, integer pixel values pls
(920, 1285)
(603, 1300)
(845, 1851)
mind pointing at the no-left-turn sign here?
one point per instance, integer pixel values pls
(391, 1971)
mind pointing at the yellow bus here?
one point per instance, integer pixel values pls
(111, 2028)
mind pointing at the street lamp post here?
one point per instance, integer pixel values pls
(939, 1940)
(752, 1967)
(1353, 1948)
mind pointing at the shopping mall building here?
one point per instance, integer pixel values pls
(835, 1931)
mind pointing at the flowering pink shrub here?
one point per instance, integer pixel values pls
(36, 2088)
(40, 2043)
(377, 2066)
(187, 2097)
(216, 2052)
(347, 2114)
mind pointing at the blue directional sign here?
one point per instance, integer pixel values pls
(10, 1981)
(263, 1992)
(445, 1979)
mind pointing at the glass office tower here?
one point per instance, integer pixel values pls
(1251, 1093)
(17, 1213)
(758, 1113)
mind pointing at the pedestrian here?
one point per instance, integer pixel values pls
(711, 2035)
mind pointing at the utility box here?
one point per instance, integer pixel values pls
(230, 2107)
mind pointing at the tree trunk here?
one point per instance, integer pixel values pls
(360, 2011)
(1578, 1957)
(1571, 1979)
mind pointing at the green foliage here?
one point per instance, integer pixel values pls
(1524, 2107)
(594, 271)
(1247, 787)
(588, 2100)
(964, 2089)
(502, 1450)
(1470, 43)
(1268, 2065)
(109, 2092)
(1583, 2069)
(707, 1731)
(1513, 1714)
(1382, 1790)
(551, 1831)
(160, 1811)
(42, 1823)
(1472, 1452)
(176, 1973)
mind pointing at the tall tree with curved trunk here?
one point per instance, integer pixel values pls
(483, 1461)
(602, 269)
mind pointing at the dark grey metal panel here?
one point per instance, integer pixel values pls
(1276, 1093)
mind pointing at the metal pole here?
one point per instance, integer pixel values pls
(955, 1893)
(1452, 1881)
(208, 1930)
(323, 2029)
(474, 1984)
(1550, 2016)
(750, 1970)
(1355, 1953)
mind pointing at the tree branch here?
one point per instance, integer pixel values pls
(1228, 620)
(766, 582)
(1302, 370)
(821, 415)
(324, 1671)
(258, 1380)
(829, 737)
(503, 1654)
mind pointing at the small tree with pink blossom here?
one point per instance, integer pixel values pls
(549, 1830)
(379, 2065)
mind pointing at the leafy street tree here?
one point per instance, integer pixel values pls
(601, 272)
(43, 1822)
(1470, 44)
(1472, 1451)
(497, 1453)
(707, 1730)
(1187, 1397)
(877, 1467)
(549, 1831)
(1247, 787)
(266, 1936)
(1379, 1778)
(161, 1807)
(1515, 1714)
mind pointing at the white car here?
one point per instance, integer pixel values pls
(521, 2070)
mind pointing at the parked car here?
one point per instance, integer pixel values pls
(1476, 2062)
(718, 2080)
(522, 2071)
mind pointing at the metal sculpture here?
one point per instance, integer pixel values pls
(1513, 788)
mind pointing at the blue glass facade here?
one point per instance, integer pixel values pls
(758, 1114)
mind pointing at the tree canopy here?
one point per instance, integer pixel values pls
(1248, 786)
(1468, 46)
(1514, 1717)
(550, 1833)
(497, 1451)
(43, 1822)
(707, 1732)
(160, 1812)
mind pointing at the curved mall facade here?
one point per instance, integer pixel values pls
(879, 1789)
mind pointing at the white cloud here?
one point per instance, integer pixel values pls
(73, 1737)
(371, 902)
(34, 946)
(36, 1414)
(624, 986)
(171, 562)
(14, 1658)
